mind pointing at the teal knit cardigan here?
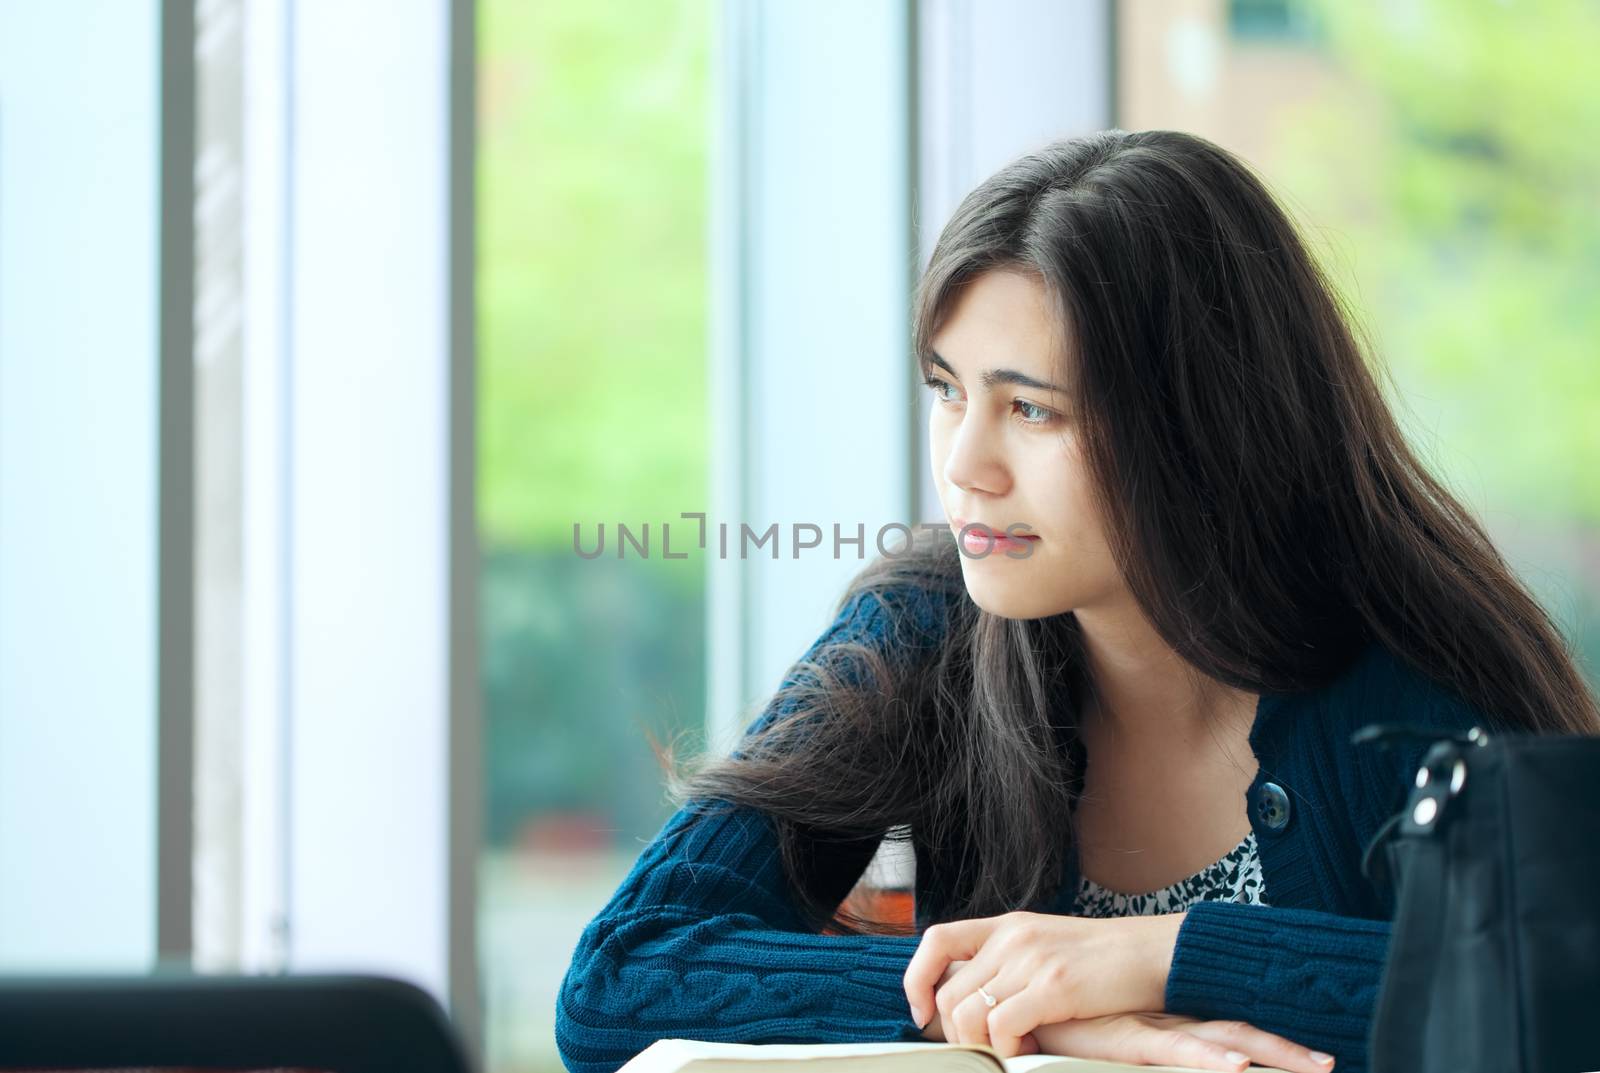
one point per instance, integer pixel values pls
(702, 939)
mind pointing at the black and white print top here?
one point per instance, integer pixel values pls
(1235, 878)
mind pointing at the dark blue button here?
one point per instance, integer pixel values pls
(1272, 805)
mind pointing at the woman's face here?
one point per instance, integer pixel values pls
(1006, 453)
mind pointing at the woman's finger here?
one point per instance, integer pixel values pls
(1039, 1002)
(941, 944)
(1126, 1038)
(971, 1020)
(1263, 1047)
(1011, 1023)
(956, 986)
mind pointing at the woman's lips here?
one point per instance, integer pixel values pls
(982, 539)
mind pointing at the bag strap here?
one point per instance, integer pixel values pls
(1395, 1041)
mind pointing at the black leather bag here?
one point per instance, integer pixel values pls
(1493, 867)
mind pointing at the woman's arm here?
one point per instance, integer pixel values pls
(1310, 976)
(703, 939)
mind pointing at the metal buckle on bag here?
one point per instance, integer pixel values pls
(1440, 777)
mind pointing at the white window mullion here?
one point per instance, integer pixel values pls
(362, 776)
(811, 231)
(264, 473)
(997, 79)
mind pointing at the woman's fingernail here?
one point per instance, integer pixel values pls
(1235, 1056)
(1325, 1059)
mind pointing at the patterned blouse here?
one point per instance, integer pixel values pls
(1235, 878)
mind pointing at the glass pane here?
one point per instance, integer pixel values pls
(1446, 192)
(79, 267)
(592, 409)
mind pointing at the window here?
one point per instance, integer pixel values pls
(593, 157)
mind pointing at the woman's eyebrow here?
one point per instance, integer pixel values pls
(990, 377)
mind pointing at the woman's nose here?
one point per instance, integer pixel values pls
(975, 462)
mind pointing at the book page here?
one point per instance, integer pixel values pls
(689, 1056)
(673, 1055)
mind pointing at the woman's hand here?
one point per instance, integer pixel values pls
(1041, 968)
(1170, 1040)
(1160, 1039)
(934, 1030)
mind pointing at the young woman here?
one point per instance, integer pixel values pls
(1118, 744)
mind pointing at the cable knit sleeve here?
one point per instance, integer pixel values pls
(1308, 976)
(702, 939)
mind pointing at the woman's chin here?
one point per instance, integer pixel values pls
(1011, 597)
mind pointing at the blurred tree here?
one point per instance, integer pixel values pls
(594, 134)
(582, 668)
(593, 147)
(1465, 167)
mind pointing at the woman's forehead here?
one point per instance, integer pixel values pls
(1004, 320)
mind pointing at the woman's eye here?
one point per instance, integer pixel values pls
(938, 387)
(1028, 413)
(1035, 415)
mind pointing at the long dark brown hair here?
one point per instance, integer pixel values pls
(1259, 498)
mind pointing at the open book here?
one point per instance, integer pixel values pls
(696, 1056)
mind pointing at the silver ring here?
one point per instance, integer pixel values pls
(988, 999)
